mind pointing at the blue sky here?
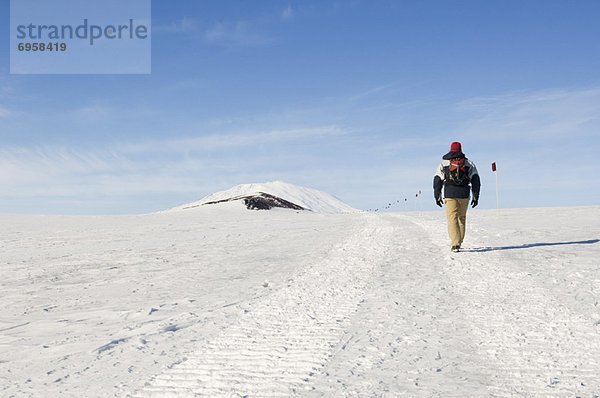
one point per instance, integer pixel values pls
(357, 98)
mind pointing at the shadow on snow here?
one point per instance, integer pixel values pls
(530, 245)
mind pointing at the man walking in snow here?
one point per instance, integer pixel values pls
(456, 176)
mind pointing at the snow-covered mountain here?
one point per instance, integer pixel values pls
(275, 194)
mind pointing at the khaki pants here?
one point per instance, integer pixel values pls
(456, 212)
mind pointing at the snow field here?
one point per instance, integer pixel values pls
(281, 342)
(522, 299)
(406, 338)
(94, 306)
(221, 301)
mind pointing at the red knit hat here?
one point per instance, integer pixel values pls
(455, 147)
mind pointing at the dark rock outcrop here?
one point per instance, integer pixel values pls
(261, 201)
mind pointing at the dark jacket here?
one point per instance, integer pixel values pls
(452, 189)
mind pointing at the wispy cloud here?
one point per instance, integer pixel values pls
(184, 25)
(4, 112)
(54, 171)
(548, 114)
(539, 138)
(288, 12)
(193, 83)
(91, 113)
(170, 166)
(6, 87)
(246, 32)
(216, 142)
(242, 33)
(376, 90)
(379, 142)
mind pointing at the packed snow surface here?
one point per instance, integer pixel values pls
(222, 301)
(308, 198)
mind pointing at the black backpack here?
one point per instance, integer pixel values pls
(457, 173)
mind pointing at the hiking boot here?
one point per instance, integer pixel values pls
(455, 249)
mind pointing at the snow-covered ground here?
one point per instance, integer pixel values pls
(222, 301)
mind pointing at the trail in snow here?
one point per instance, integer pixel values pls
(283, 341)
(391, 312)
(222, 302)
(94, 306)
(406, 338)
(471, 324)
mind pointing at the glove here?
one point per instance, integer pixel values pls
(475, 202)
(438, 201)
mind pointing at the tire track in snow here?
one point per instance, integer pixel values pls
(533, 344)
(539, 347)
(406, 339)
(277, 346)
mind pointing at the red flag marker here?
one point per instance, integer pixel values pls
(494, 166)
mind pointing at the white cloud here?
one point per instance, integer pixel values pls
(377, 90)
(242, 33)
(152, 167)
(386, 154)
(288, 12)
(193, 83)
(184, 25)
(53, 171)
(546, 114)
(4, 112)
(93, 113)
(225, 141)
